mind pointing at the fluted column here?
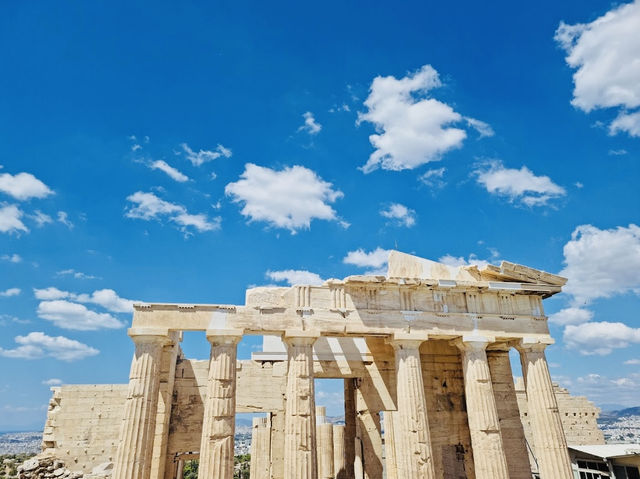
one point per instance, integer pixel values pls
(391, 465)
(300, 459)
(349, 427)
(413, 447)
(324, 433)
(484, 425)
(338, 451)
(260, 449)
(219, 423)
(133, 459)
(548, 436)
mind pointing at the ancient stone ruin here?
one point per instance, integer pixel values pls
(428, 385)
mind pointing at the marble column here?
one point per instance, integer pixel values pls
(391, 465)
(484, 425)
(350, 427)
(324, 433)
(219, 424)
(133, 459)
(338, 451)
(550, 444)
(511, 429)
(260, 448)
(300, 459)
(413, 448)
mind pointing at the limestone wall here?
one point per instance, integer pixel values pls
(83, 424)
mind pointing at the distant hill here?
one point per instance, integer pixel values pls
(612, 416)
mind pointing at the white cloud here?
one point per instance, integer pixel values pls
(310, 125)
(10, 219)
(107, 298)
(629, 122)
(411, 128)
(63, 218)
(433, 178)
(289, 198)
(148, 207)
(571, 315)
(376, 259)
(632, 362)
(483, 129)
(169, 170)
(23, 186)
(50, 293)
(37, 345)
(68, 315)
(600, 338)
(293, 277)
(400, 214)
(517, 185)
(202, 156)
(52, 382)
(10, 292)
(606, 56)
(75, 274)
(602, 263)
(456, 261)
(40, 218)
(11, 258)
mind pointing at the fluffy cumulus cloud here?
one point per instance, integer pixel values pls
(606, 57)
(602, 263)
(295, 276)
(37, 345)
(68, 315)
(147, 206)
(412, 128)
(629, 122)
(107, 298)
(517, 185)
(375, 260)
(600, 338)
(11, 219)
(572, 315)
(23, 186)
(67, 310)
(399, 214)
(172, 172)
(310, 124)
(289, 198)
(50, 293)
(200, 157)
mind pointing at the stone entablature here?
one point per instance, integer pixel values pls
(424, 346)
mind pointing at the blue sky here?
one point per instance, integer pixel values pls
(182, 152)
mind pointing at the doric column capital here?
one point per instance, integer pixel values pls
(219, 337)
(473, 342)
(149, 335)
(529, 345)
(300, 338)
(401, 341)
